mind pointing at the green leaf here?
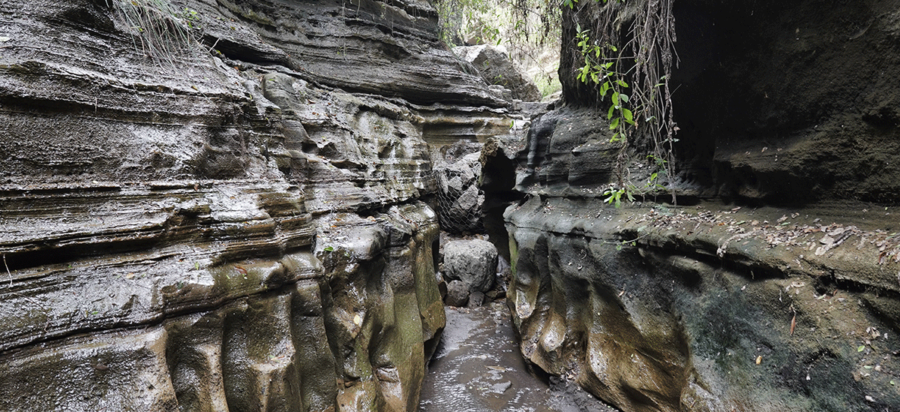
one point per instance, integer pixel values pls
(624, 98)
(604, 89)
(608, 65)
(628, 116)
(615, 98)
(614, 124)
(611, 109)
(861, 348)
(328, 249)
(615, 138)
(613, 48)
(622, 83)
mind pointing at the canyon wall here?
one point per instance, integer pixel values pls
(774, 284)
(214, 205)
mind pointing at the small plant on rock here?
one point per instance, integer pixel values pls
(633, 69)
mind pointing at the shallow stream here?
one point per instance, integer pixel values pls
(478, 368)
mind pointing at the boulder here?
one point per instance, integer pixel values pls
(457, 294)
(471, 261)
(496, 68)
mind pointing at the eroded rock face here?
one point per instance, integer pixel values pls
(238, 229)
(707, 307)
(790, 301)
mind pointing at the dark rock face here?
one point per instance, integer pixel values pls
(779, 304)
(781, 103)
(671, 308)
(811, 111)
(232, 230)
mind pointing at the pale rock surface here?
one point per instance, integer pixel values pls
(472, 261)
(496, 68)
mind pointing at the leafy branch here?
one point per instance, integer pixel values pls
(651, 185)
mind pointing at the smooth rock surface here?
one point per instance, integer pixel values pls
(699, 315)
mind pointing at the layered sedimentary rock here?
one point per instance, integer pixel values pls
(232, 225)
(699, 308)
(772, 286)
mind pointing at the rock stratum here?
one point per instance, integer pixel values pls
(234, 222)
(774, 285)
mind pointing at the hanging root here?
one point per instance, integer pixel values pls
(162, 33)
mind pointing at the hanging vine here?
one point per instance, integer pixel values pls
(633, 68)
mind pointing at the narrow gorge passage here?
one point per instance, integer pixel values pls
(222, 205)
(477, 367)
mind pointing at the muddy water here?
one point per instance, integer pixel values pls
(478, 368)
